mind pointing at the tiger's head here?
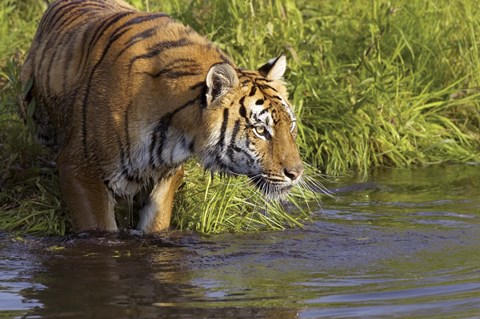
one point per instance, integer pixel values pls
(250, 128)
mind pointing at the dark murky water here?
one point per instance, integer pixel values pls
(404, 244)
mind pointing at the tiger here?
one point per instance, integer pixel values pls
(124, 98)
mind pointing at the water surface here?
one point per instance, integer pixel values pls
(404, 244)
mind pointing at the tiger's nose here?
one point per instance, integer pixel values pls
(293, 173)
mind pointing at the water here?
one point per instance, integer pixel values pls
(404, 244)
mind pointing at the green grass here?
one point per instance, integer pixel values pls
(375, 83)
(213, 205)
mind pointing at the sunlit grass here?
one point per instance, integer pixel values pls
(374, 83)
(213, 204)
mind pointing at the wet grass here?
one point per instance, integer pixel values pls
(375, 83)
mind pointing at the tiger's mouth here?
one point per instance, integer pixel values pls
(272, 188)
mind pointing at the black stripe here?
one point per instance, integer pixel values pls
(104, 27)
(163, 130)
(253, 90)
(71, 18)
(174, 74)
(99, 31)
(225, 59)
(247, 73)
(125, 156)
(203, 93)
(51, 15)
(143, 18)
(223, 56)
(275, 118)
(115, 35)
(66, 16)
(221, 140)
(159, 133)
(236, 129)
(203, 97)
(52, 40)
(264, 111)
(107, 185)
(142, 35)
(138, 20)
(264, 80)
(49, 69)
(68, 58)
(169, 70)
(159, 48)
(197, 85)
(191, 146)
(137, 38)
(123, 160)
(178, 74)
(242, 110)
(127, 130)
(242, 101)
(185, 62)
(265, 87)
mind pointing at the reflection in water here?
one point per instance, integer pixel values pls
(405, 243)
(128, 278)
(108, 281)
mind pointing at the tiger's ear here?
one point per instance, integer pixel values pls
(275, 68)
(220, 79)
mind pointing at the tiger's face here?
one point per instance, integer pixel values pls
(251, 127)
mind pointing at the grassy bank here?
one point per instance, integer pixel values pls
(375, 83)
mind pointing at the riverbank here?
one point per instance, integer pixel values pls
(374, 84)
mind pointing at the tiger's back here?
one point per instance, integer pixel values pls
(126, 97)
(53, 62)
(90, 47)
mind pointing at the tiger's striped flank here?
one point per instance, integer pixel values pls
(126, 97)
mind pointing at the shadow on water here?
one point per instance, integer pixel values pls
(405, 243)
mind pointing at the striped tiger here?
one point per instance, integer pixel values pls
(125, 97)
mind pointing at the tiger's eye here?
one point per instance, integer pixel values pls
(260, 130)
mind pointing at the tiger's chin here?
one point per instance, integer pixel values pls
(272, 189)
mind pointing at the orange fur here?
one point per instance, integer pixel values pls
(126, 97)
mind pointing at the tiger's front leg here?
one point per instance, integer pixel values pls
(90, 203)
(157, 213)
